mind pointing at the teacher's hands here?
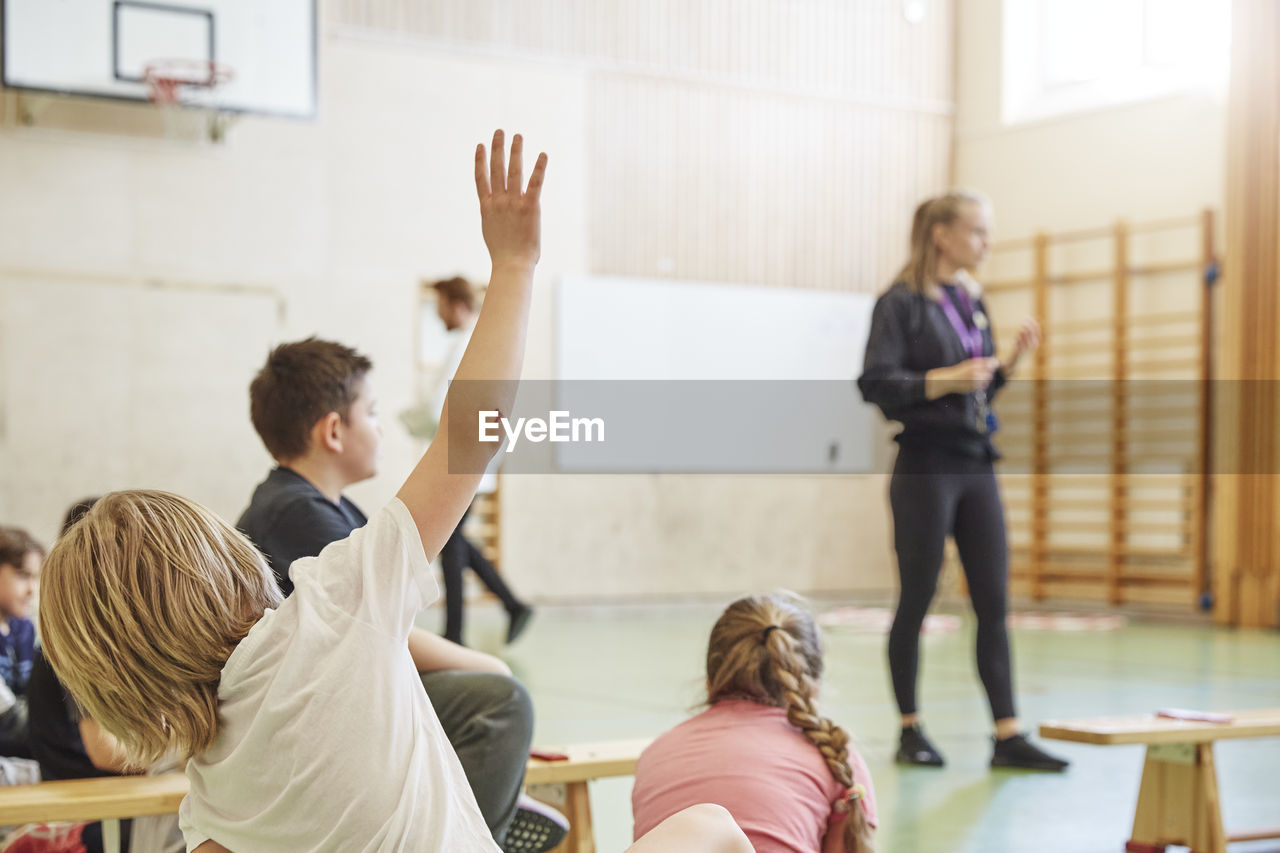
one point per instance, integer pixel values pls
(1028, 339)
(963, 378)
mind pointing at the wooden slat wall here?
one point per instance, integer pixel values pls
(484, 525)
(754, 188)
(1246, 546)
(751, 141)
(1108, 447)
(865, 50)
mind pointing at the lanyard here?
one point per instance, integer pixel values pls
(985, 420)
(970, 339)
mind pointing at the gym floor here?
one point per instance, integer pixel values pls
(623, 672)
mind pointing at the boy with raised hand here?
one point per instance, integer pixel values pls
(304, 718)
(313, 406)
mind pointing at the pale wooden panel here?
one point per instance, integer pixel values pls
(866, 50)
(719, 184)
(753, 141)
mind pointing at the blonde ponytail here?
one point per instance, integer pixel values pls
(922, 263)
(767, 649)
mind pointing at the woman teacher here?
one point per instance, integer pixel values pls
(931, 365)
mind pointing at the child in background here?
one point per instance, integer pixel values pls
(305, 721)
(20, 560)
(761, 750)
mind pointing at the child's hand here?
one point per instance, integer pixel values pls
(510, 219)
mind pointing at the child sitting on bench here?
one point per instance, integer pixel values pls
(20, 559)
(761, 749)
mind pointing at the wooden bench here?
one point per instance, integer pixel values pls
(1178, 800)
(586, 762)
(109, 799)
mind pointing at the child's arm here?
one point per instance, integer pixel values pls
(510, 220)
(431, 652)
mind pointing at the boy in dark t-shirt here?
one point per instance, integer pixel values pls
(289, 518)
(313, 406)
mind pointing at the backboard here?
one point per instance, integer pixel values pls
(102, 48)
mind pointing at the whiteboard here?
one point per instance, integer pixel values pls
(709, 377)
(101, 47)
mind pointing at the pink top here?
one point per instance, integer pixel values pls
(749, 759)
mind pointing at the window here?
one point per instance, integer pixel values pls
(1063, 56)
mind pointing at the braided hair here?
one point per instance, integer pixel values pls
(767, 650)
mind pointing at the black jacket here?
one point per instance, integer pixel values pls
(911, 335)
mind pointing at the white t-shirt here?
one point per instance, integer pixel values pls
(328, 741)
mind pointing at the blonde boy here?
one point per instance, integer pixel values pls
(306, 723)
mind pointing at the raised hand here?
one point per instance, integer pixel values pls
(442, 486)
(510, 215)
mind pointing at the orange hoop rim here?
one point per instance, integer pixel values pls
(166, 79)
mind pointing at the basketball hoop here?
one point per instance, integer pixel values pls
(173, 83)
(181, 81)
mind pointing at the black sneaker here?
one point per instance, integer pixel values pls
(914, 748)
(518, 620)
(1021, 753)
(536, 828)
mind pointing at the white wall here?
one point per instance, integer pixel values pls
(339, 218)
(1141, 161)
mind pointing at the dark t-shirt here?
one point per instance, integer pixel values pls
(55, 727)
(289, 518)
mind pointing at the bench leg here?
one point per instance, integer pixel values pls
(577, 807)
(1178, 801)
(110, 835)
(581, 837)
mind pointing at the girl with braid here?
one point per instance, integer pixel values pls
(761, 750)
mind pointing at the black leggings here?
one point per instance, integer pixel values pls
(935, 493)
(457, 555)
